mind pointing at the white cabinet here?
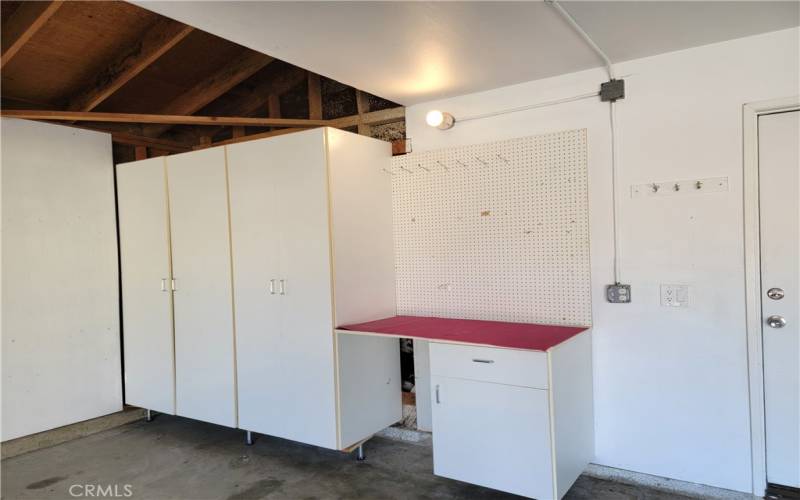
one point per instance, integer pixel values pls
(145, 274)
(306, 210)
(513, 420)
(493, 435)
(238, 263)
(204, 349)
(176, 286)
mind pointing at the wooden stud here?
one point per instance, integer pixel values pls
(238, 132)
(94, 116)
(314, 97)
(161, 37)
(140, 152)
(23, 24)
(227, 77)
(362, 105)
(274, 106)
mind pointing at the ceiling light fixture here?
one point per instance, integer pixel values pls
(440, 119)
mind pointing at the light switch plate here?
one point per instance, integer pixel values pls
(675, 295)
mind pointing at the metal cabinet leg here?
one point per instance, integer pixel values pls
(148, 417)
(248, 438)
(360, 453)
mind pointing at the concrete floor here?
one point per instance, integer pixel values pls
(178, 458)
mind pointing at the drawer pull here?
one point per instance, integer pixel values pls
(482, 360)
(438, 401)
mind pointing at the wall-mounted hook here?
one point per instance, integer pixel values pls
(698, 185)
(423, 168)
(479, 159)
(461, 163)
(507, 162)
(654, 187)
(443, 166)
(405, 169)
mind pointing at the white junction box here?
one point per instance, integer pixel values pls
(675, 295)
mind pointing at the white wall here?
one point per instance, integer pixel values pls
(671, 395)
(60, 309)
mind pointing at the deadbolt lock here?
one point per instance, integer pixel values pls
(775, 293)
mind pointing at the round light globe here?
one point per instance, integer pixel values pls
(440, 120)
(434, 118)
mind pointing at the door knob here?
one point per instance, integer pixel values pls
(776, 321)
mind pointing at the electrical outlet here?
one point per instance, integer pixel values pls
(675, 295)
(618, 294)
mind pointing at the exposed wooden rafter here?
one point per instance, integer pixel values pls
(23, 24)
(220, 82)
(93, 116)
(161, 37)
(254, 99)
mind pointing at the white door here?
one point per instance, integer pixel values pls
(146, 298)
(204, 338)
(280, 231)
(492, 435)
(779, 185)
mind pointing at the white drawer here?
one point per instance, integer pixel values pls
(490, 364)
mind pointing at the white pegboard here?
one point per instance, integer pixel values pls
(496, 231)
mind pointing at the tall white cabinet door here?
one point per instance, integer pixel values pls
(285, 358)
(204, 337)
(146, 299)
(492, 435)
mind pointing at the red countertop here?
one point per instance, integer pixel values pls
(494, 333)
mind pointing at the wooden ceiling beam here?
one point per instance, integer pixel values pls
(224, 79)
(94, 116)
(23, 24)
(135, 140)
(381, 117)
(160, 38)
(374, 118)
(251, 137)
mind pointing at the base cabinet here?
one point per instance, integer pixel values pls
(492, 435)
(513, 420)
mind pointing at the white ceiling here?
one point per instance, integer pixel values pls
(412, 52)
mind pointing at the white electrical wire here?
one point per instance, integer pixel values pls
(571, 20)
(613, 119)
(525, 108)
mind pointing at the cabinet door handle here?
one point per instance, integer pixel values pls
(283, 287)
(272, 287)
(488, 361)
(437, 394)
(174, 284)
(163, 284)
